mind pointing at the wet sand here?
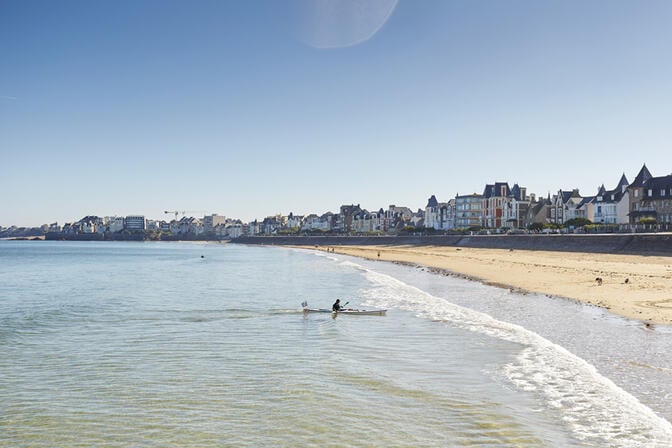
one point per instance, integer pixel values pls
(637, 287)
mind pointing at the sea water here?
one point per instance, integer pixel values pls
(177, 344)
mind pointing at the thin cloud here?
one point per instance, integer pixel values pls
(5, 97)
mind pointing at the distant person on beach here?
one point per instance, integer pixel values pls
(337, 305)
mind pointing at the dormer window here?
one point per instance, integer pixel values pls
(612, 197)
(650, 192)
(662, 192)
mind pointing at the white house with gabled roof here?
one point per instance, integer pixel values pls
(612, 206)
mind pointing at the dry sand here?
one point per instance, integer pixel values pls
(638, 287)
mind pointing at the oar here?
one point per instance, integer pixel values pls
(343, 306)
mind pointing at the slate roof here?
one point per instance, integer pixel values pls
(515, 192)
(495, 190)
(656, 184)
(432, 202)
(565, 196)
(623, 182)
(538, 207)
(586, 200)
(614, 195)
(643, 176)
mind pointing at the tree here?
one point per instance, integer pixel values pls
(648, 221)
(577, 222)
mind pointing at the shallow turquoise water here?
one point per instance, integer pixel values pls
(172, 344)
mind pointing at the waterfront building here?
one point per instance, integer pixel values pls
(612, 206)
(492, 204)
(135, 222)
(186, 226)
(650, 197)
(439, 215)
(539, 211)
(114, 223)
(586, 208)
(514, 211)
(468, 211)
(294, 221)
(233, 230)
(152, 224)
(344, 218)
(504, 207)
(212, 221)
(364, 222)
(396, 218)
(566, 206)
(252, 228)
(313, 222)
(53, 228)
(271, 224)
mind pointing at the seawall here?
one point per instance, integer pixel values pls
(633, 244)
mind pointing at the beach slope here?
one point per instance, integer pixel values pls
(633, 286)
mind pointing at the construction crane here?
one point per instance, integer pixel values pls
(181, 212)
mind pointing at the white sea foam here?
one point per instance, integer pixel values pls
(592, 406)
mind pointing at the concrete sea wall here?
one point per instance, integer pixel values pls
(634, 244)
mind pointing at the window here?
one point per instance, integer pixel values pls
(636, 193)
(650, 192)
(662, 192)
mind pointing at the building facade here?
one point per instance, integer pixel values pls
(135, 222)
(468, 211)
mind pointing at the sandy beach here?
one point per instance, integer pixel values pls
(638, 287)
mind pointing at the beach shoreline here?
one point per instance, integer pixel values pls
(633, 286)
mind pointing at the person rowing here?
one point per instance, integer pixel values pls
(336, 306)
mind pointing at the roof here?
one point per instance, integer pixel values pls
(615, 195)
(623, 182)
(642, 177)
(495, 190)
(656, 184)
(432, 202)
(586, 200)
(539, 206)
(515, 192)
(468, 196)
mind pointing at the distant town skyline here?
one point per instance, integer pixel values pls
(250, 109)
(176, 215)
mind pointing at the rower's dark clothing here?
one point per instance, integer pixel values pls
(336, 306)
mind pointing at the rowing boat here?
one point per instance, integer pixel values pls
(346, 311)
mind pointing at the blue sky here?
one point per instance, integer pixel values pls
(237, 108)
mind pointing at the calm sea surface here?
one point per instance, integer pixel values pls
(171, 344)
